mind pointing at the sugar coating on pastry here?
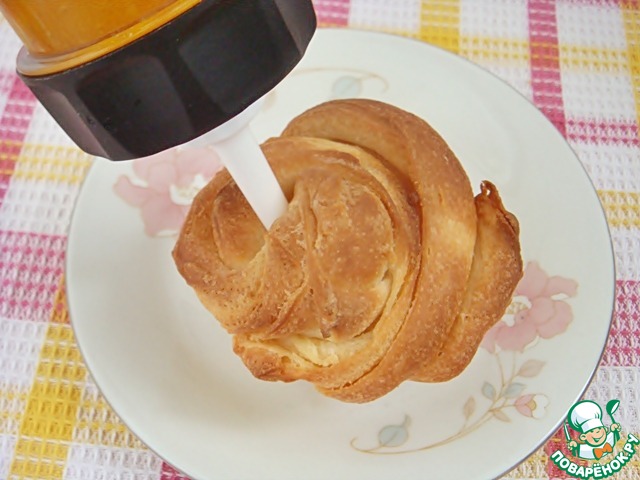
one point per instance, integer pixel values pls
(384, 268)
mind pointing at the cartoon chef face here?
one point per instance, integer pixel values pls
(586, 417)
(595, 437)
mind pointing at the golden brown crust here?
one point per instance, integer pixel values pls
(372, 274)
(496, 269)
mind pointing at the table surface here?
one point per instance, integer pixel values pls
(578, 61)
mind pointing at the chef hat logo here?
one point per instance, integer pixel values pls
(585, 415)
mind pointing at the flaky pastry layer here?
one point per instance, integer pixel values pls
(384, 268)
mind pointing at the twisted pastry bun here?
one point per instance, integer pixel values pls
(384, 268)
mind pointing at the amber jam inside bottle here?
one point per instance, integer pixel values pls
(61, 34)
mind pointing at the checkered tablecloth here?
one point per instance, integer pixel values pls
(577, 60)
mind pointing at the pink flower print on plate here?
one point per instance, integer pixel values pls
(538, 310)
(163, 186)
(532, 405)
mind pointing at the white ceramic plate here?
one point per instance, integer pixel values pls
(167, 368)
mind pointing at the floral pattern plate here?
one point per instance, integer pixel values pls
(167, 368)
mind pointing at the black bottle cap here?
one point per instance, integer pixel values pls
(179, 81)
